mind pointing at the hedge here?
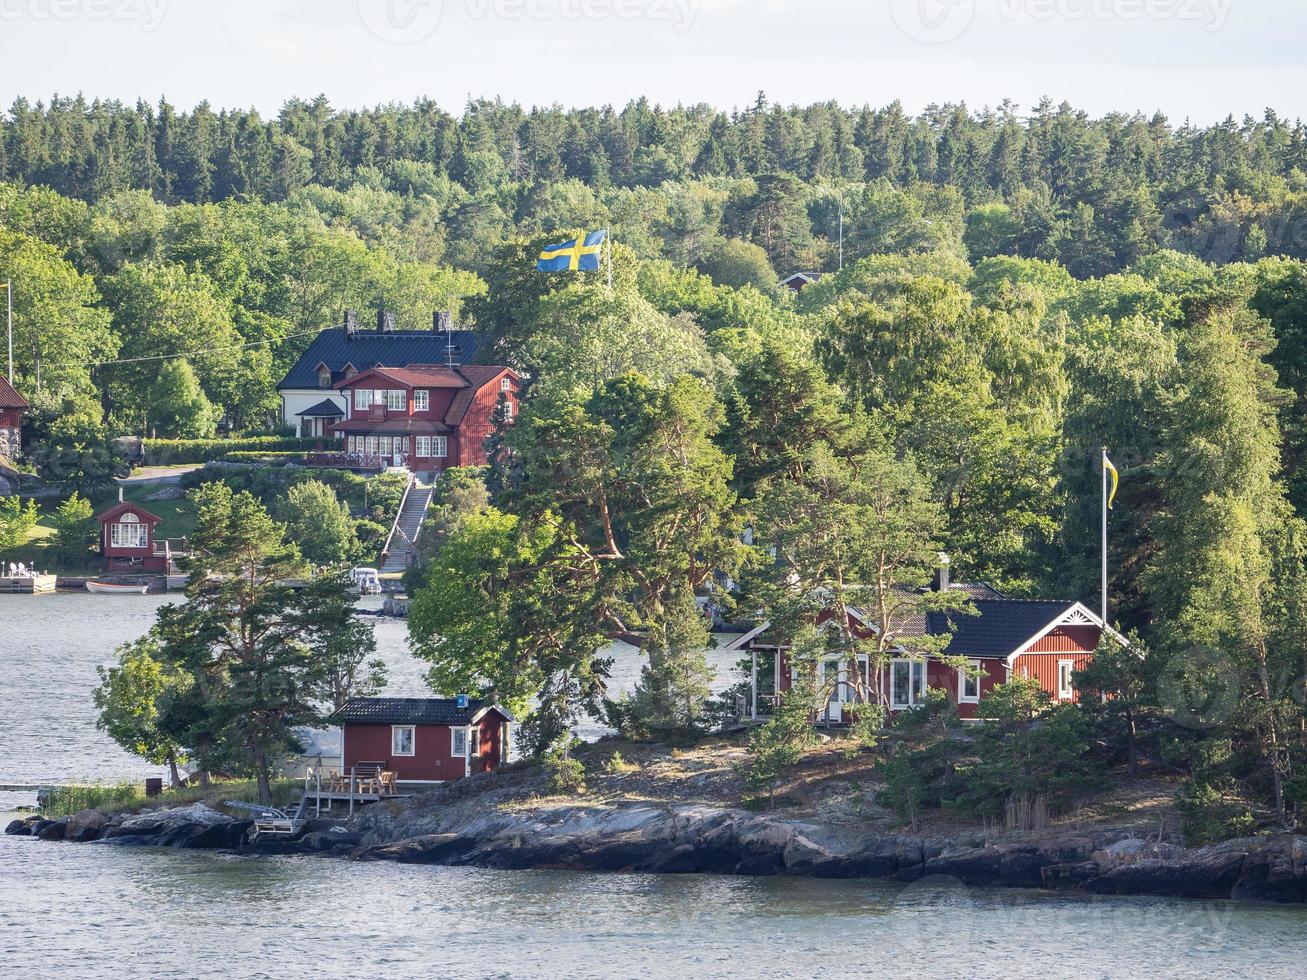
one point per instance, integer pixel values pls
(164, 452)
(273, 458)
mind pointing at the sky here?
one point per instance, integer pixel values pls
(1196, 60)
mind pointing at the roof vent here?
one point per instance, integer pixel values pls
(942, 576)
(351, 324)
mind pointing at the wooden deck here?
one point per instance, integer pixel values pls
(28, 584)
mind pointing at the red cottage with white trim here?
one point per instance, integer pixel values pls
(127, 539)
(427, 417)
(423, 740)
(1043, 640)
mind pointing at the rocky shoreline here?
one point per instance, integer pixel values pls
(652, 838)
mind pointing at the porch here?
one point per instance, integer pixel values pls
(356, 462)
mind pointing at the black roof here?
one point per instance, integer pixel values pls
(323, 409)
(1000, 626)
(368, 348)
(410, 711)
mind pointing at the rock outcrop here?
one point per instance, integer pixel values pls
(705, 839)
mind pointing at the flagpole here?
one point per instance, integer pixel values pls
(1103, 467)
(9, 312)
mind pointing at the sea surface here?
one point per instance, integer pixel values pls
(90, 911)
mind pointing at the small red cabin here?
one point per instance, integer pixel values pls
(127, 539)
(423, 740)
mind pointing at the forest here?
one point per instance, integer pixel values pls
(1011, 293)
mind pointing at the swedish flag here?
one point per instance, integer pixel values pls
(578, 255)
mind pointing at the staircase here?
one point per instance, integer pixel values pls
(412, 513)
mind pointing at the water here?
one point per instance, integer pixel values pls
(93, 911)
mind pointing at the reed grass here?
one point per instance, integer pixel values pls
(111, 798)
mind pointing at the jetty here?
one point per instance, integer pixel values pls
(28, 584)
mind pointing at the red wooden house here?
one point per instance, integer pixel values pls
(423, 740)
(1043, 640)
(12, 406)
(427, 417)
(127, 539)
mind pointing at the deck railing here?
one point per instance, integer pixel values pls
(346, 461)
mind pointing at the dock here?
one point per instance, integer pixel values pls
(28, 584)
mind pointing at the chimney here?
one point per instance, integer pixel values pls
(942, 577)
(441, 321)
(351, 324)
(120, 493)
(385, 321)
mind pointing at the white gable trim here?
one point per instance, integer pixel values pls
(1076, 614)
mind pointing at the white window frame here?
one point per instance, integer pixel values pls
(457, 751)
(474, 741)
(439, 447)
(371, 443)
(383, 445)
(421, 400)
(324, 378)
(505, 384)
(412, 740)
(916, 691)
(424, 446)
(1065, 691)
(129, 532)
(396, 399)
(362, 399)
(967, 675)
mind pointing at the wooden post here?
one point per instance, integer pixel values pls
(753, 676)
(353, 776)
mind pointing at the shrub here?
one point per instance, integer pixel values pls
(164, 452)
(1207, 815)
(271, 458)
(563, 773)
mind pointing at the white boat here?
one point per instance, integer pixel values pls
(366, 580)
(116, 588)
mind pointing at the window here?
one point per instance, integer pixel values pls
(324, 377)
(508, 408)
(458, 745)
(396, 400)
(383, 445)
(506, 384)
(424, 445)
(363, 399)
(421, 400)
(129, 532)
(1064, 689)
(372, 445)
(402, 740)
(907, 681)
(969, 683)
(439, 446)
(474, 742)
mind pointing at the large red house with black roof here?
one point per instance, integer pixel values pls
(426, 417)
(1042, 640)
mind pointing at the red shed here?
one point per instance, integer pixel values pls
(424, 740)
(12, 406)
(127, 539)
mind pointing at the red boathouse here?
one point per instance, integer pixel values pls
(127, 539)
(423, 740)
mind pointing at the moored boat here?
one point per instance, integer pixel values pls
(116, 588)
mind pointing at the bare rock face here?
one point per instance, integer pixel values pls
(86, 825)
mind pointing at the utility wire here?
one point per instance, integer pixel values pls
(194, 353)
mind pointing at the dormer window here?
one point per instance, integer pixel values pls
(421, 400)
(324, 377)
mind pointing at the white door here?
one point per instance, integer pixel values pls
(839, 691)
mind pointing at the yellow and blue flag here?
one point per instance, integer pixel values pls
(1116, 480)
(578, 255)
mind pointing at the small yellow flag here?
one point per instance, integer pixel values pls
(1116, 480)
